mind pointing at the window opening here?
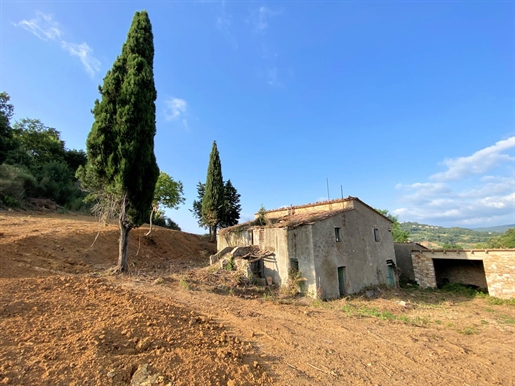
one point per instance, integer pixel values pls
(337, 234)
(376, 234)
(294, 264)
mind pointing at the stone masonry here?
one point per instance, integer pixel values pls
(499, 266)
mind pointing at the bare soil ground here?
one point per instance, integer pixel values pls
(173, 320)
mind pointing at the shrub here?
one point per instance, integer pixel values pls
(15, 183)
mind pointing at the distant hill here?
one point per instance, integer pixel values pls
(499, 228)
(436, 236)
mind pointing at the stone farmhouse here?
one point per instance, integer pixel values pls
(340, 247)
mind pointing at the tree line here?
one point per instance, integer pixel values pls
(457, 238)
(35, 163)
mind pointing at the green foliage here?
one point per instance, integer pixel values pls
(43, 167)
(451, 246)
(122, 172)
(399, 235)
(460, 289)
(467, 238)
(168, 193)
(261, 219)
(296, 282)
(15, 182)
(163, 221)
(230, 265)
(75, 159)
(121, 162)
(37, 144)
(6, 113)
(183, 283)
(506, 240)
(213, 200)
(197, 205)
(231, 206)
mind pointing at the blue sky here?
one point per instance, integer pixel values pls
(408, 105)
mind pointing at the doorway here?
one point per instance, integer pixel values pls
(341, 280)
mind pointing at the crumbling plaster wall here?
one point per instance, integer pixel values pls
(499, 268)
(274, 240)
(366, 258)
(300, 247)
(240, 238)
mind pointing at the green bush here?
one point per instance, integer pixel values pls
(15, 182)
(461, 289)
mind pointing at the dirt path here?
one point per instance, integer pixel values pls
(305, 344)
(63, 321)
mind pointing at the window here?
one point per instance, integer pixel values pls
(294, 265)
(337, 234)
(376, 234)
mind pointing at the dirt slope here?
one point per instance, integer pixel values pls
(173, 320)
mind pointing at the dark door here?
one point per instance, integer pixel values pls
(341, 280)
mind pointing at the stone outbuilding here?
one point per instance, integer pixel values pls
(340, 247)
(492, 270)
(404, 262)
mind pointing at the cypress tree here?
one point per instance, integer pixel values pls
(122, 171)
(213, 200)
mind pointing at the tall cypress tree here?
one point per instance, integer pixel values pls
(213, 200)
(122, 171)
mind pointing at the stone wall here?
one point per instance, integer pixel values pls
(404, 262)
(499, 268)
(233, 239)
(470, 272)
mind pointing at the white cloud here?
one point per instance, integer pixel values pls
(43, 26)
(464, 195)
(85, 54)
(224, 24)
(272, 77)
(478, 163)
(175, 109)
(261, 18)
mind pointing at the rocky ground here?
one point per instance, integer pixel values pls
(64, 320)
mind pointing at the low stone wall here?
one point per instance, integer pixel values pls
(499, 265)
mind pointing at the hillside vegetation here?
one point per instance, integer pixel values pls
(440, 237)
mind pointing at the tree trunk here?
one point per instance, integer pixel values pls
(151, 215)
(123, 264)
(212, 232)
